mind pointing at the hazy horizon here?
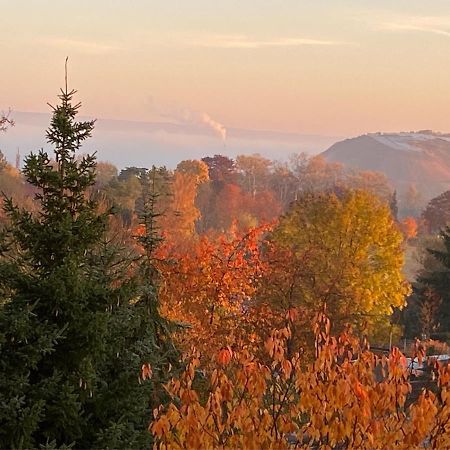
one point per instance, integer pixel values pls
(322, 68)
(144, 143)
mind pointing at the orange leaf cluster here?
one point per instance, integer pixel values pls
(409, 227)
(209, 284)
(346, 398)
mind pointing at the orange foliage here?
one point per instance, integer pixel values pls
(228, 205)
(409, 227)
(209, 284)
(179, 221)
(346, 398)
(224, 356)
(231, 205)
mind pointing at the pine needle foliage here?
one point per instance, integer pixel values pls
(75, 327)
(439, 280)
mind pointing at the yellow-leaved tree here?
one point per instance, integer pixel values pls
(341, 249)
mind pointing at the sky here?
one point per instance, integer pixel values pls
(323, 67)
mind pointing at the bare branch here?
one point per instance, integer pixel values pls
(5, 121)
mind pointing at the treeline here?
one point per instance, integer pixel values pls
(110, 283)
(209, 195)
(212, 193)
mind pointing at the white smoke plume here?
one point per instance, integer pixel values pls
(188, 116)
(216, 126)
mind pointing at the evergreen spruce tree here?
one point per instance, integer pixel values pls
(439, 281)
(77, 321)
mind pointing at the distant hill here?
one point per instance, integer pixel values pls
(420, 159)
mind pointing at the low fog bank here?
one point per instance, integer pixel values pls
(127, 143)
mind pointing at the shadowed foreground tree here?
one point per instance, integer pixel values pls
(423, 312)
(83, 348)
(438, 280)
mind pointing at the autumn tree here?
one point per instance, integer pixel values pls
(229, 204)
(408, 226)
(283, 183)
(315, 174)
(345, 251)
(105, 173)
(437, 213)
(264, 207)
(125, 189)
(78, 338)
(132, 173)
(208, 285)
(375, 183)
(222, 173)
(3, 162)
(411, 201)
(221, 169)
(253, 189)
(255, 171)
(124, 192)
(194, 167)
(180, 218)
(233, 204)
(306, 174)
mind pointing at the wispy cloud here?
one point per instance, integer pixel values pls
(82, 46)
(425, 24)
(245, 42)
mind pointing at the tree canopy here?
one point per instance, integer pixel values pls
(342, 250)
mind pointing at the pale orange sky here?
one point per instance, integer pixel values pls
(327, 67)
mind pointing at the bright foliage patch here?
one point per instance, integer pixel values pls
(210, 284)
(346, 398)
